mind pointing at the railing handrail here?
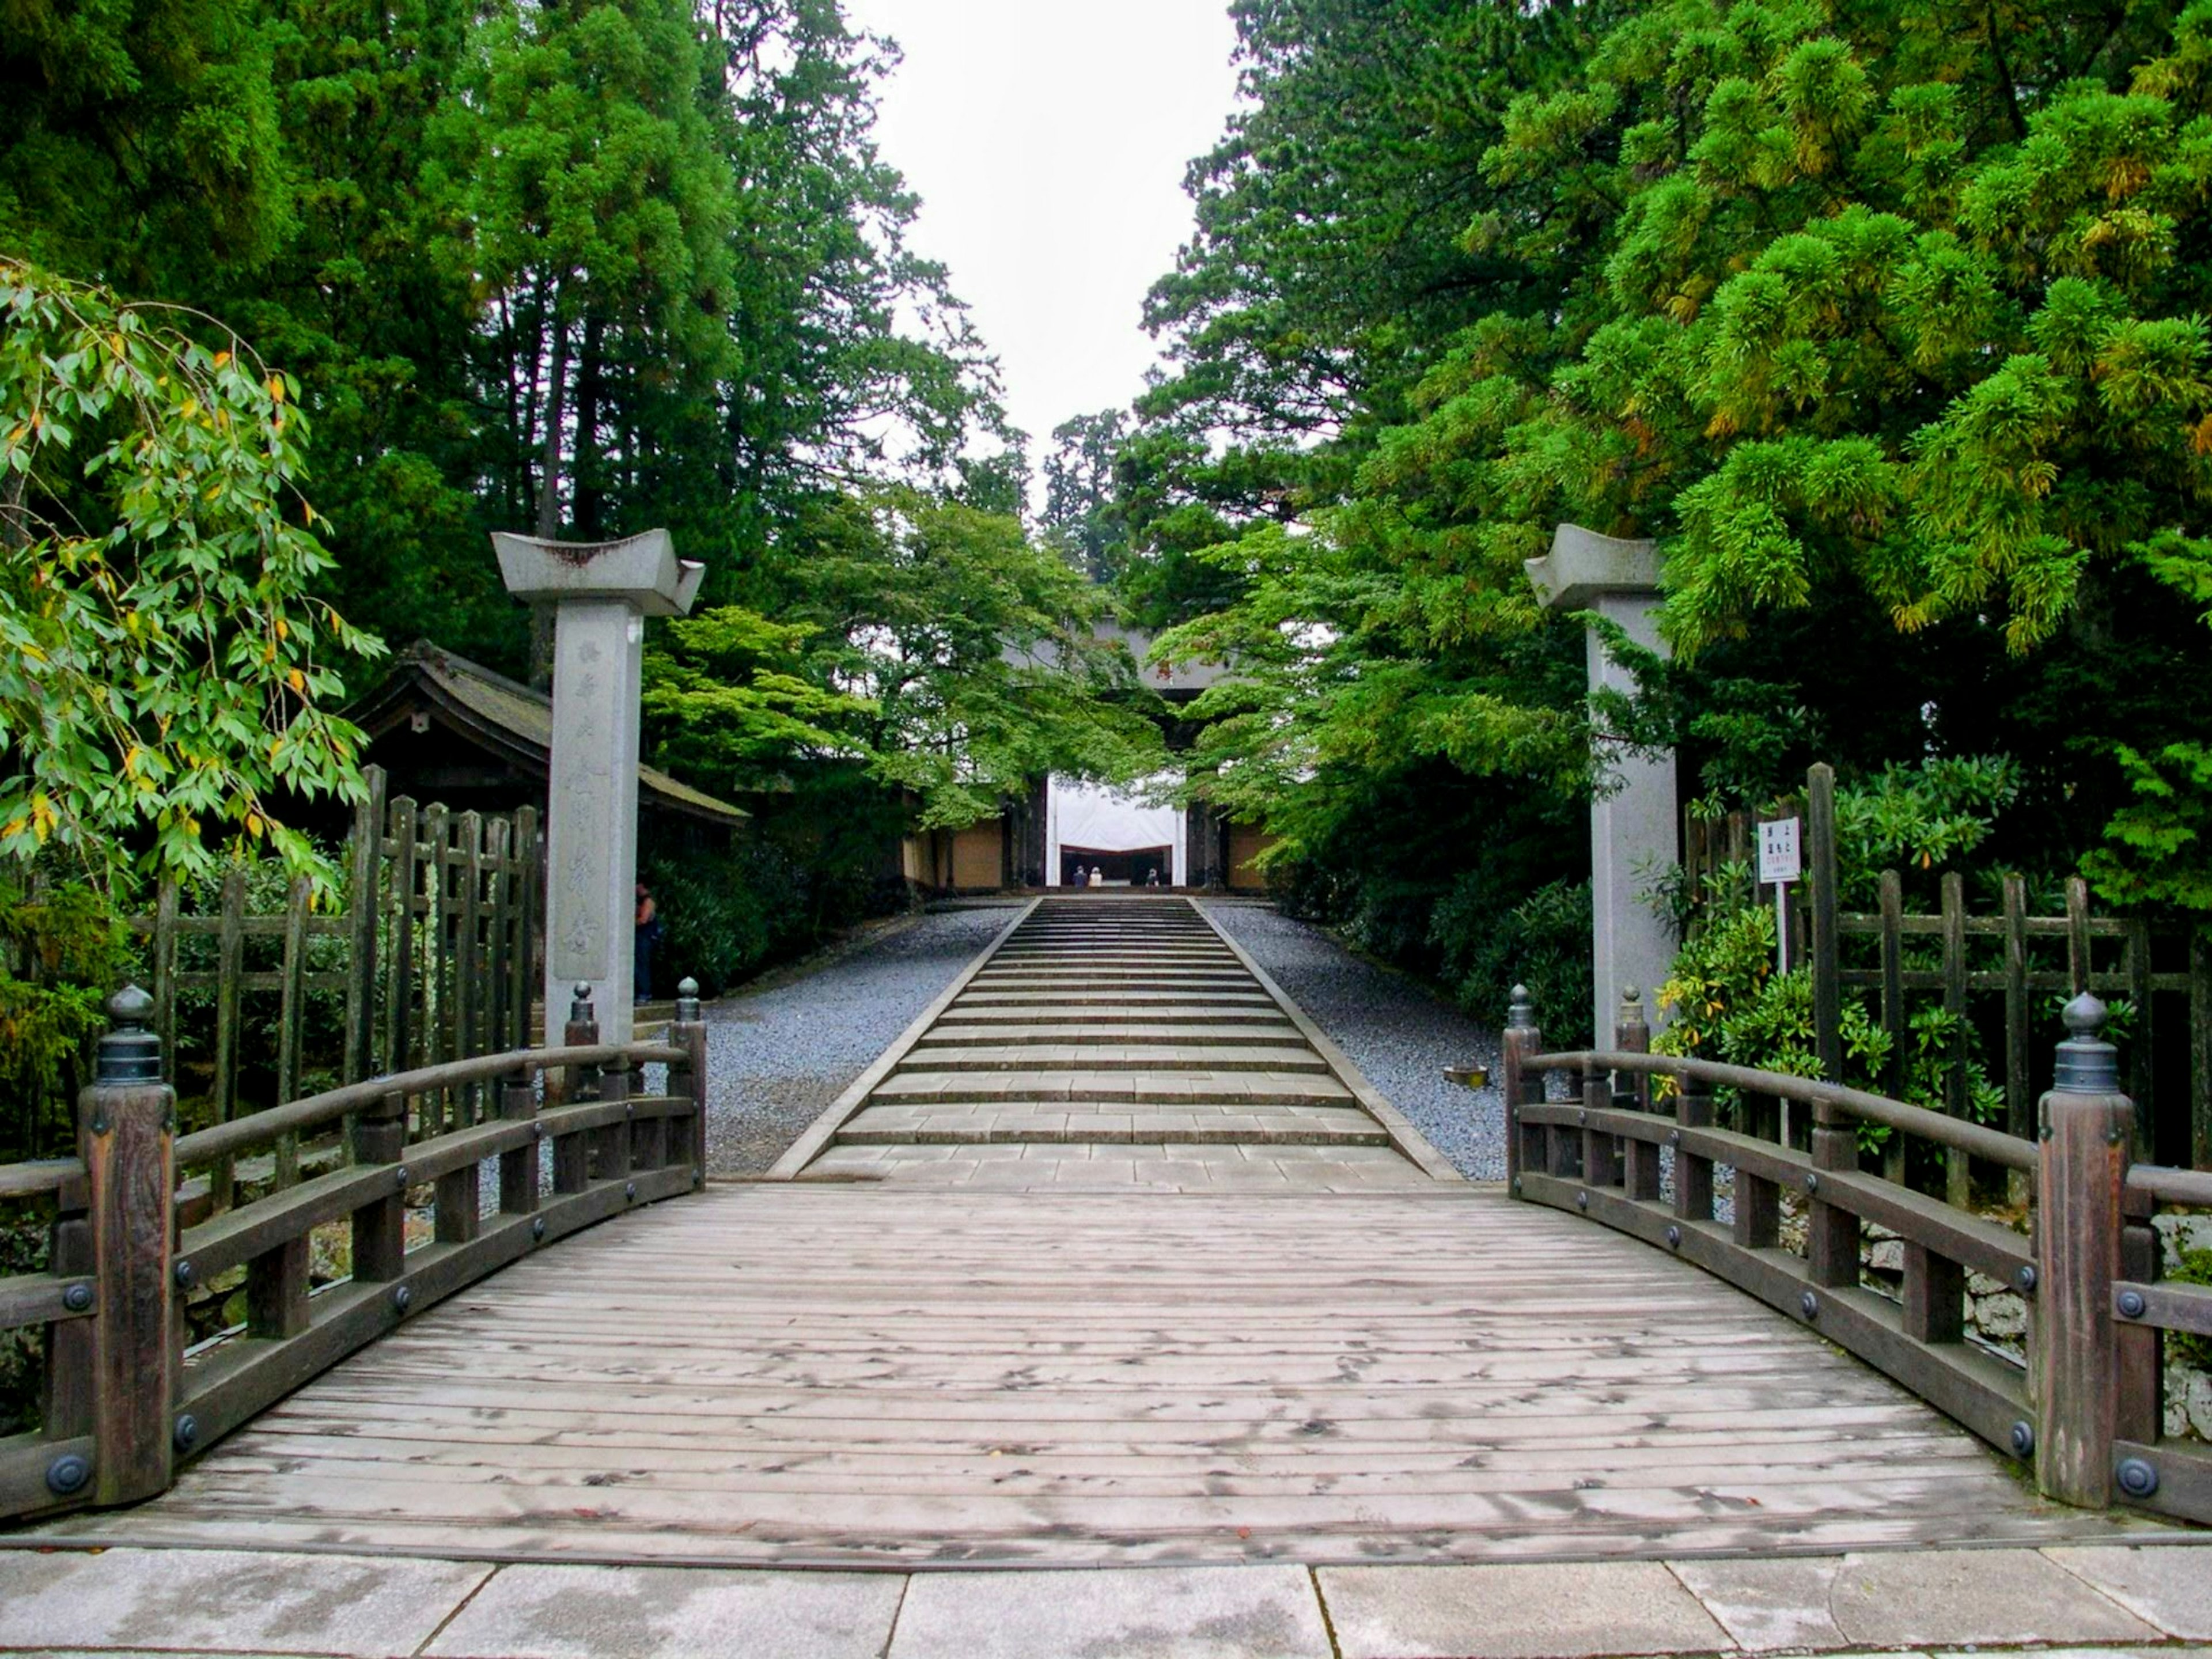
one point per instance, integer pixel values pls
(316, 1111)
(48, 1174)
(2164, 1184)
(1994, 1144)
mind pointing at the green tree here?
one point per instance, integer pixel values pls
(166, 673)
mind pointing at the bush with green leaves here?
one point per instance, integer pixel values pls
(1727, 1001)
(1489, 943)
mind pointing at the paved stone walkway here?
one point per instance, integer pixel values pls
(1113, 1040)
(2114, 1600)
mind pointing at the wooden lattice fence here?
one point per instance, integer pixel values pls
(2001, 973)
(431, 956)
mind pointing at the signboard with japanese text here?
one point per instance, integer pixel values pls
(1778, 857)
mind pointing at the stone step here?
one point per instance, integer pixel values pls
(1162, 1016)
(1077, 977)
(1213, 1086)
(968, 1122)
(1123, 998)
(1048, 1058)
(1101, 1035)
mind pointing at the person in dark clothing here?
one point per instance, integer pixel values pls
(648, 936)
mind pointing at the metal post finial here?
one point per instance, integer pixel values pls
(1630, 999)
(1520, 1010)
(579, 1004)
(2087, 1065)
(130, 1053)
(687, 1001)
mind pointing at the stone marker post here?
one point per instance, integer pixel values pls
(1634, 823)
(602, 592)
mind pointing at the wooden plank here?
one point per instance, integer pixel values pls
(399, 1043)
(432, 1117)
(2142, 1043)
(467, 950)
(165, 970)
(496, 1032)
(364, 871)
(2080, 963)
(2200, 1046)
(1958, 1168)
(228, 1012)
(523, 966)
(291, 1018)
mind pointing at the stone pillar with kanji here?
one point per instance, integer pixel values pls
(1634, 820)
(601, 594)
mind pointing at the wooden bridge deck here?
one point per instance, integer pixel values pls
(1123, 1263)
(781, 1374)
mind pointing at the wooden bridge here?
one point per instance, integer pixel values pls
(1113, 1257)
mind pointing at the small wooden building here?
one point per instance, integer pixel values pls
(446, 729)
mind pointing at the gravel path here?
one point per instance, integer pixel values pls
(1393, 1028)
(777, 1056)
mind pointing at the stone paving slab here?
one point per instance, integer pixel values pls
(123, 1602)
(228, 1600)
(1940, 1598)
(1517, 1611)
(640, 1613)
(1188, 1613)
(2171, 1589)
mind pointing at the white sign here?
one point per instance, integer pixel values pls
(1778, 860)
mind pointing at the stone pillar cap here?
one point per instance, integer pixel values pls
(642, 569)
(1584, 566)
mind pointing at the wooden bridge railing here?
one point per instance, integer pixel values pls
(128, 1398)
(2084, 1405)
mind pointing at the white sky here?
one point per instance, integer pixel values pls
(1047, 140)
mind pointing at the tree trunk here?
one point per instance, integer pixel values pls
(590, 491)
(548, 469)
(548, 489)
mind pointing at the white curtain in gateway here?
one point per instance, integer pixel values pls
(1078, 814)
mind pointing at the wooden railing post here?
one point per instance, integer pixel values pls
(2087, 1129)
(127, 1129)
(1631, 1034)
(571, 1168)
(690, 1077)
(1523, 1146)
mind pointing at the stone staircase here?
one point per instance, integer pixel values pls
(1110, 1041)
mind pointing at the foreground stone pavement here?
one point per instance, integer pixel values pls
(2105, 1599)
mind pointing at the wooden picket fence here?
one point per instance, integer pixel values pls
(440, 940)
(2031, 961)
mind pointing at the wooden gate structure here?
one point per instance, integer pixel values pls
(2085, 1409)
(571, 1138)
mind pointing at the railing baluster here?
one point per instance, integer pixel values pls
(610, 1146)
(517, 1169)
(1758, 1210)
(277, 1283)
(1935, 1296)
(379, 1226)
(1832, 1233)
(1640, 1158)
(690, 1078)
(1526, 1144)
(1693, 1175)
